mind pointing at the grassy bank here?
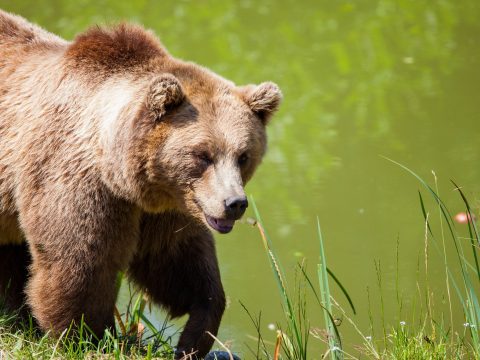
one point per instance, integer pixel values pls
(427, 334)
(136, 338)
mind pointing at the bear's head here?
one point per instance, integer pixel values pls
(207, 137)
(189, 141)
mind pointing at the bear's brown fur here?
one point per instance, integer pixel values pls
(116, 156)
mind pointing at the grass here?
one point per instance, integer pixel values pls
(138, 339)
(428, 336)
(294, 339)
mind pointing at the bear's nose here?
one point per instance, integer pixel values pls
(235, 206)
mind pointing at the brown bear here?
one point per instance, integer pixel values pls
(116, 156)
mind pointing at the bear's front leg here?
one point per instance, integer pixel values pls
(79, 241)
(176, 264)
(67, 289)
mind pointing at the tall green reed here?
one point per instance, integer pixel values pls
(298, 331)
(467, 291)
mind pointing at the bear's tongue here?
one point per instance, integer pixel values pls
(221, 225)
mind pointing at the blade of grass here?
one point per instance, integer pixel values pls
(342, 288)
(333, 338)
(471, 224)
(278, 273)
(257, 325)
(422, 205)
(330, 315)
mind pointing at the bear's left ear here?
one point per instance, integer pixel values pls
(263, 99)
(164, 93)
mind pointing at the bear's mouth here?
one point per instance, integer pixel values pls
(223, 226)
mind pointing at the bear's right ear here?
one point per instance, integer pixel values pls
(164, 93)
(263, 99)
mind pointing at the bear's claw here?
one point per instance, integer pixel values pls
(220, 355)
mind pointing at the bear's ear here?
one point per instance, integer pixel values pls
(263, 99)
(164, 93)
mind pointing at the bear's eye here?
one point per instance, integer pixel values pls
(242, 159)
(204, 158)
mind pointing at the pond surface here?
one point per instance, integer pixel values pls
(361, 80)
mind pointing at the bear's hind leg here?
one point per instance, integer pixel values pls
(14, 262)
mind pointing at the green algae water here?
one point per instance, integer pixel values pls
(361, 80)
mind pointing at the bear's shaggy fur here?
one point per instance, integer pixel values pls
(116, 156)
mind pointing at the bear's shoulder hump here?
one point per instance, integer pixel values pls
(124, 46)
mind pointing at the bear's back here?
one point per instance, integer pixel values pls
(19, 40)
(16, 30)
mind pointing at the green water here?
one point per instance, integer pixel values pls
(360, 79)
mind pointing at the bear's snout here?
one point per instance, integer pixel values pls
(235, 207)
